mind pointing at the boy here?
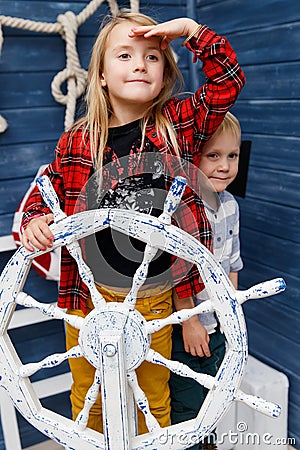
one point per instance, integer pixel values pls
(199, 342)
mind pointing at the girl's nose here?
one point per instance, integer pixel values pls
(139, 66)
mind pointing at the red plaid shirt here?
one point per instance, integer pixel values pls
(194, 119)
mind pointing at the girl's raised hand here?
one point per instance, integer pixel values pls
(38, 234)
(168, 31)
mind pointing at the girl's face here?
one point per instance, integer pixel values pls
(133, 70)
(220, 158)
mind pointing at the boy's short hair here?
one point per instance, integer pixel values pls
(229, 123)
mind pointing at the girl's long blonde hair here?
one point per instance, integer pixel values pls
(98, 107)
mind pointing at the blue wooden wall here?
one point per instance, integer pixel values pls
(266, 36)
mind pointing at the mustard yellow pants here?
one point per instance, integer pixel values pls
(152, 378)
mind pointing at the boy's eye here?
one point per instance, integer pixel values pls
(233, 155)
(212, 155)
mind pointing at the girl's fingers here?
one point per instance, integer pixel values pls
(35, 240)
(26, 243)
(38, 235)
(155, 30)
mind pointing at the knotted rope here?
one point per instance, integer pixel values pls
(67, 26)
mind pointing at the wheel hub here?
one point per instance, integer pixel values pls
(114, 319)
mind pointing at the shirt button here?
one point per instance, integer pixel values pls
(154, 134)
(219, 239)
(230, 231)
(216, 216)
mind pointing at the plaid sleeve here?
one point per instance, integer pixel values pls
(35, 205)
(191, 217)
(201, 114)
(195, 119)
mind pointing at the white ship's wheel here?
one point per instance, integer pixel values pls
(116, 339)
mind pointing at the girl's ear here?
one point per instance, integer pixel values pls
(103, 82)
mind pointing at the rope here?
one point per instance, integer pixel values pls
(74, 75)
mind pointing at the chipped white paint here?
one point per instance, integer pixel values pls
(115, 338)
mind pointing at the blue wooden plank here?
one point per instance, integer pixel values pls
(47, 11)
(268, 45)
(294, 420)
(254, 272)
(280, 353)
(41, 289)
(26, 89)
(282, 255)
(44, 11)
(274, 152)
(23, 160)
(275, 350)
(234, 15)
(272, 81)
(6, 221)
(46, 53)
(274, 185)
(275, 316)
(276, 117)
(263, 215)
(33, 125)
(36, 286)
(11, 192)
(4, 258)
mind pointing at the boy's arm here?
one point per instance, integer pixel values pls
(233, 277)
(195, 336)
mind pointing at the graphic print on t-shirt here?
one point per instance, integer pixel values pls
(132, 181)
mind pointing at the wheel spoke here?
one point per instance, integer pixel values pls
(259, 404)
(180, 369)
(140, 275)
(142, 402)
(178, 317)
(89, 401)
(26, 370)
(86, 274)
(49, 309)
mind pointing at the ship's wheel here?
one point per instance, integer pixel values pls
(116, 339)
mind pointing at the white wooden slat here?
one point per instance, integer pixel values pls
(7, 243)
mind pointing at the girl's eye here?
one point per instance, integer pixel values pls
(212, 155)
(152, 58)
(233, 155)
(124, 56)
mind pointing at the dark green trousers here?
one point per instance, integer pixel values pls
(187, 395)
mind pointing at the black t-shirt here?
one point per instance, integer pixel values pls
(113, 256)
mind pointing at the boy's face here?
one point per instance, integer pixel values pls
(219, 160)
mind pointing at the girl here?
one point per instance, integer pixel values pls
(131, 112)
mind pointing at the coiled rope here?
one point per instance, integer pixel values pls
(67, 26)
